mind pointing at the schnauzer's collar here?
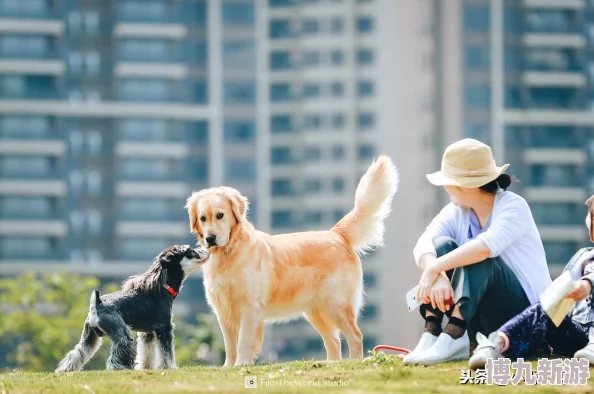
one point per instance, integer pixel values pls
(171, 291)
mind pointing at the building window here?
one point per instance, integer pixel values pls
(280, 28)
(239, 54)
(239, 92)
(26, 207)
(25, 127)
(338, 214)
(366, 120)
(476, 17)
(338, 152)
(312, 186)
(338, 121)
(337, 89)
(282, 188)
(283, 3)
(280, 60)
(365, 57)
(17, 247)
(280, 92)
(281, 155)
(311, 58)
(477, 96)
(364, 24)
(312, 122)
(311, 90)
(145, 49)
(281, 124)
(310, 26)
(240, 130)
(365, 88)
(312, 217)
(312, 153)
(559, 252)
(142, 248)
(338, 185)
(555, 175)
(366, 151)
(337, 57)
(283, 219)
(238, 13)
(336, 25)
(240, 170)
(476, 57)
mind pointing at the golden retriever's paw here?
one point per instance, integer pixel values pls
(240, 363)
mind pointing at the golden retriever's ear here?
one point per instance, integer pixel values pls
(239, 204)
(191, 206)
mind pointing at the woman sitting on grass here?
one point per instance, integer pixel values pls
(482, 257)
(532, 333)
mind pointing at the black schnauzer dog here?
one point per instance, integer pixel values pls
(144, 305)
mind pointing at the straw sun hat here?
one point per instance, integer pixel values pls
(467, 163)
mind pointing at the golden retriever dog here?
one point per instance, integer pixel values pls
(253, 277)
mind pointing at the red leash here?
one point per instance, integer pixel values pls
(394, 348)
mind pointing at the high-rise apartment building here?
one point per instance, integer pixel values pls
(113, 111)
(526, 89)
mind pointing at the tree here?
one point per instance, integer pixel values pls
(42, 317)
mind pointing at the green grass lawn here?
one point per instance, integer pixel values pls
(378, 374)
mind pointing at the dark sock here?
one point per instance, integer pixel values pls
(433, 325)
(455, 327)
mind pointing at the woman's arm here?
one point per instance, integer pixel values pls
(442, 225)
(472, 252)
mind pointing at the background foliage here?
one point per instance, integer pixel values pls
(41, 319)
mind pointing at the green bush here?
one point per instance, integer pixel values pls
(41, 319)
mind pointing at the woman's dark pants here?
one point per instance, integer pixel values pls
(488, 293)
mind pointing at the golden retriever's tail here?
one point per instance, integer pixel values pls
(363, 227)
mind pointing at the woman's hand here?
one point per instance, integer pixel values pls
(442, 294)
(428, 278)
(581, 290)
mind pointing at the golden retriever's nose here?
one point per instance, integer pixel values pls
(211, 240)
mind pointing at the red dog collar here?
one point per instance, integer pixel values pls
(171, 291)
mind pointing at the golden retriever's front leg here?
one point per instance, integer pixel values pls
(229, 338)
(251, 321)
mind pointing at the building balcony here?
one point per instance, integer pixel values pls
(555, 4)
(31, 26)
(554, 79)
(33, 147)
(577, 233)
(152, 228)
(555, 194)
(33, 187)
(549, 117)
(175, 150)
(152, 70)
(105, 109)
(156, 189)
(173, 31)
(32, 67)
(577, 157)
(554, 40)
(51, 228)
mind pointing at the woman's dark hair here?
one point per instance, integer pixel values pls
(502, 182)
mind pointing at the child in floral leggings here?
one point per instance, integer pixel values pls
(532, 333)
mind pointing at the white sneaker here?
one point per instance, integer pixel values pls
(485, 350)
(586, 352)
(427, 340)
(447, 349)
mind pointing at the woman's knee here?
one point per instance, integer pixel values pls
(444, 245)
